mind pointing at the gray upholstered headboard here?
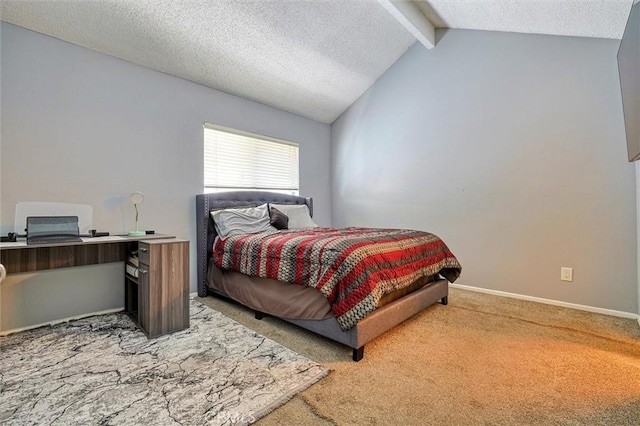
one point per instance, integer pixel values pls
(206, 232)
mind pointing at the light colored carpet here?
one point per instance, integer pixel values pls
(482, 359)
(103, 370)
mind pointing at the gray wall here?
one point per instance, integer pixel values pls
(511, 148)
(82, 127)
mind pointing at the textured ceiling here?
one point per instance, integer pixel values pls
(312, 58)
(582, 18)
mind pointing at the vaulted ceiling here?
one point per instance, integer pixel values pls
(313, 58)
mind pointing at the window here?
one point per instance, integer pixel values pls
(241, 161)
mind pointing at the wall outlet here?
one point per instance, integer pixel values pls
(566, 274)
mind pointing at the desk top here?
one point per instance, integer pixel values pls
(85, 240)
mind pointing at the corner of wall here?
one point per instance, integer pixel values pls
(637, 164)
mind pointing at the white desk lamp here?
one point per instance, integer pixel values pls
(137, 198)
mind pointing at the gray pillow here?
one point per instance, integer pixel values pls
(248, 220)
(298, 214)
(279, 220)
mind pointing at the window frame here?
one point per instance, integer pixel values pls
(291, 190)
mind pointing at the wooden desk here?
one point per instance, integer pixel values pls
(158, 301)
(20, 257)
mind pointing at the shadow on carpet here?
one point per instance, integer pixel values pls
(103, 370)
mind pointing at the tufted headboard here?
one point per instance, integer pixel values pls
(206, 232)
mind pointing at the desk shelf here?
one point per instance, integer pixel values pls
(131, 296)
(158, 300)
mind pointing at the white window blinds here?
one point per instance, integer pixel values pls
(235, 160)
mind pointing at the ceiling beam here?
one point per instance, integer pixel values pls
(407, 13)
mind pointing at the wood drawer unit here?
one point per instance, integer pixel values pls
(162, 287)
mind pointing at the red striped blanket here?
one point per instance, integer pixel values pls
(352, 267)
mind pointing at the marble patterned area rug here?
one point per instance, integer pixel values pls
(103, 370)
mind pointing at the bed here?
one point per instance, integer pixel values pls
(302, 305)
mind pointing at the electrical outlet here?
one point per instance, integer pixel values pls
(566, 274)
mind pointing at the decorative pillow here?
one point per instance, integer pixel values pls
(279, 220)
(298, 214)
(248, 220)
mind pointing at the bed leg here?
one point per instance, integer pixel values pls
(358, 354)
(445, 300)
(259, 315)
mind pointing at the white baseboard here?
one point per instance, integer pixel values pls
(594, 309)
(15, 330)
(604, 311)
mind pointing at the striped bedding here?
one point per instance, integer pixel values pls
(352, 267)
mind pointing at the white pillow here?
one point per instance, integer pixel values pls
(247, 220)
(298, 214)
